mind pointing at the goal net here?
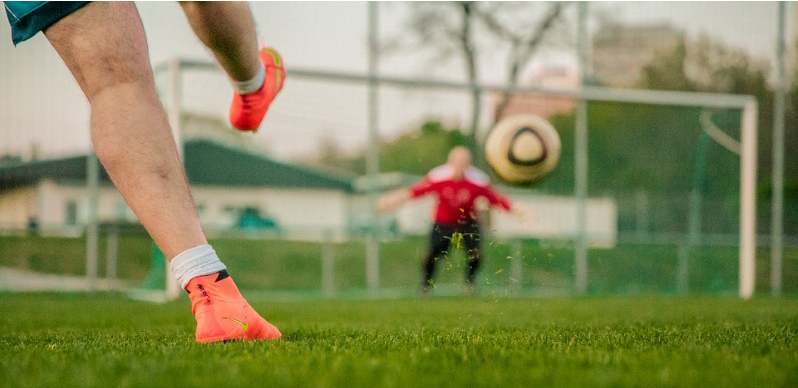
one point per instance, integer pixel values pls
(667, 185)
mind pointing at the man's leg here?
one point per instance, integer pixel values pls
(228, 30)
(473, 245)
(440, 239)
(104, 46)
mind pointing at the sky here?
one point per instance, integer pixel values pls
(40, 103)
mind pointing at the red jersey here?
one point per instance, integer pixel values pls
(456, 197)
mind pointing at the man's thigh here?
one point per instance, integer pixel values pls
(440, 239)
(102, 44)
(472, 239)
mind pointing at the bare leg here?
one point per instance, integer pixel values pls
(104, 46)
(228, 30)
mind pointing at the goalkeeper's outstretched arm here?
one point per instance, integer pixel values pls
(398, 198)
(519, 211)
(394, 200)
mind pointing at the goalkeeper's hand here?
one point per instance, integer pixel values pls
(392, 201)
(522, 215)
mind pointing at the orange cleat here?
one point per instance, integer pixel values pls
(247, 110)
(222, 314)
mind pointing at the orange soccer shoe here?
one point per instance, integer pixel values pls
(247, 110)
(221, 312)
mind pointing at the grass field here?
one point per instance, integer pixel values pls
(73, 340)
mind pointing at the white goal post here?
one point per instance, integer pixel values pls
(746, 103)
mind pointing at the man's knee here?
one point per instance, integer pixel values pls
(431, 258)
(103, 45)
(189, 6)
(437, 252)
(473, 264)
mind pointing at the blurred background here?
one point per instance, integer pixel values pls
(377, 94)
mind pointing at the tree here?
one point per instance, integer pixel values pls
(708, 66)
(415, 152)
(9, 159)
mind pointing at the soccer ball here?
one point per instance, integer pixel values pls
(522, 149)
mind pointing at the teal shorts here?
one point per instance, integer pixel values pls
(29, 17)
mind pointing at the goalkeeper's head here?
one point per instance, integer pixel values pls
(459, 160)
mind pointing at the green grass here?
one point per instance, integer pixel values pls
(108, 341)
(289, 265)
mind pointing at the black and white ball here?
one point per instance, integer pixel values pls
(522, 149)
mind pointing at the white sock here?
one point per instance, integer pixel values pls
(252, 85)
(198, 261)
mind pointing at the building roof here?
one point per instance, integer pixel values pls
(207, 163)
(385, 181)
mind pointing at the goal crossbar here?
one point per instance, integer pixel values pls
(590, 93)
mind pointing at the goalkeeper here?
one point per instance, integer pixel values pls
(457, 185)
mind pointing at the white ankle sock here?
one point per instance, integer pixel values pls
(198, 261)
(252, 85)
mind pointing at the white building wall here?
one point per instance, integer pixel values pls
(416, 217)
(17, 206)
(53, 200)
(302, 213)
(111, 206)
(51, 203)
(554, 217)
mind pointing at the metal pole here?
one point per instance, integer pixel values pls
(581, 162)
(172, 288)
(641, 216)
(328, 264)
(517, 267)
(748, 200)
(777, 205)
(372, 163)
(93, 187)
(111, 250)
(590, 93)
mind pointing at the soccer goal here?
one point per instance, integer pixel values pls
(655, 191)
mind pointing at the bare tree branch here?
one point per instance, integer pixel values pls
(522, 52)
(537, 36)
(469, 52)
(496, 27)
